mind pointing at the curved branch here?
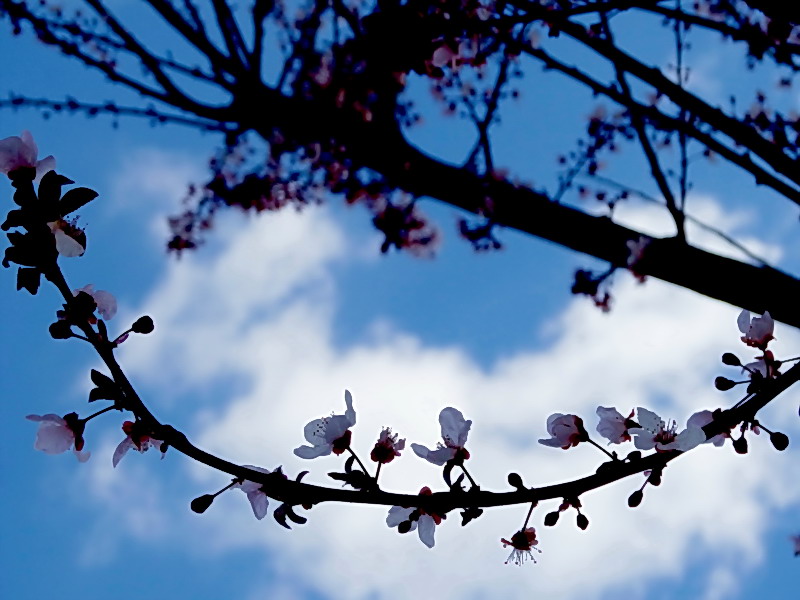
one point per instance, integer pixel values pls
(293, 492)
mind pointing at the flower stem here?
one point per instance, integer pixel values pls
(471, 480)
(99, 412)
(358, 460)
(530, 512)
(599, 447)
(378, 472)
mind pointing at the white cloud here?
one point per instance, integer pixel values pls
(262, 310)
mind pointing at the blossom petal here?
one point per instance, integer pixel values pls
(121, 450)
(642, 438)
(612, 425)
(106, 304)
(259, 502)
(67, 246)
(335, 427)
(82, 456)
(313, 451)
(743, 321)
(689, 438)
(44, 166)
(350, 413)
(398, 514)
(454, 427)
(54, 438)
(313, 432)
(437, 457)
(427, 528)
(649, 420)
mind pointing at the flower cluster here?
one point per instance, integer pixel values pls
(409, 519)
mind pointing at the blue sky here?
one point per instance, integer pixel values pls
(263, 328)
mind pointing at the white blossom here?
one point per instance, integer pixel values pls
(20, 152)
(329, 434)
(654, 433)
(454, 434)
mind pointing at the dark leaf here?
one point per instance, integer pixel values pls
(14, 218)
(348, 464)
(28, 278)
(294, 517)
(50, 191)
(101, 380)
(448, 468)
(75, 199)
(469, 514)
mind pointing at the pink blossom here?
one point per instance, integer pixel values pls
(757, 331)
(409, 519)
(654, 433)
(135, 439)
(106, 303)
(454, 434)
(703, 418)
(566, 431)
(70, 239)
(259, 501)
(59, 434)
(329, 434)
(523, 542)
(20, 152)
(613, 426)
(387, 447)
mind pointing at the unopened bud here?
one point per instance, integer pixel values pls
(740, 445)
(515, 481)
(404, 527)
(551, 518)
(143, 325)
(731, 359)
(723, 384)
(779, 440)
(60, 330)
(635, 499)
(582, 521)
(201, 503)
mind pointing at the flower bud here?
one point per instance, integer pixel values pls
(635, 499)
(551, 518)
(740, 445)
(201, 503)
(514, 480)
(779, 440)
(143, 325)
(723, 384)
(404, 527)
(655, 478)
(731, 359)
(60, 330)
(582, 521)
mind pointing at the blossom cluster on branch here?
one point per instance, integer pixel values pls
(85, 312)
